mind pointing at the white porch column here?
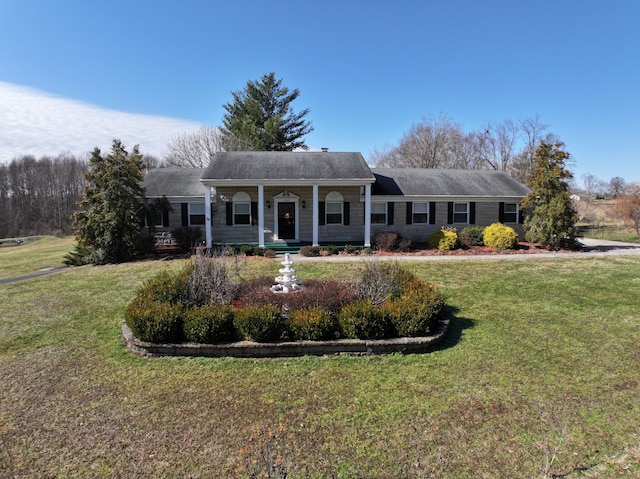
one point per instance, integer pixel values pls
(367, 215)
(261, 216)
(207, 214)
(315, 218)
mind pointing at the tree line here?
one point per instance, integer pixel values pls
(38, 196)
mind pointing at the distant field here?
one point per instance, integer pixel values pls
(538, 377)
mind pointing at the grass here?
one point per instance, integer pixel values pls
(608, 232)
(34, 254)
(538, 377)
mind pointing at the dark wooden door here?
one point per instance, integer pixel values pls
(287, 220)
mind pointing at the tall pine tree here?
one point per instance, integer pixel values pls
(261, 118)
(108, 224)
(549, 214)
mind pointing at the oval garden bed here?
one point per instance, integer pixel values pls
(200, 311)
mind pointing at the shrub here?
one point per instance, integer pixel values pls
(382, 279)
(500, 236)
(209, 281)
(310, 251)
(472, 236)
(210, 323)
(259, 323)
(386, 241)
(416, 311)
(165, 287)
(349, 249)
(186, 237)
(154, 321)
(269, 253)
(363, 320)
(444, 240)
(313, 323)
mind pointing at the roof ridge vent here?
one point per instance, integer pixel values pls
(324, 149)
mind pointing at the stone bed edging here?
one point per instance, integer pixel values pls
(283, 349)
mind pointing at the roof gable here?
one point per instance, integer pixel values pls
(289, 165)
(173, 182)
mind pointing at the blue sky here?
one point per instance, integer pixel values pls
(368, 70)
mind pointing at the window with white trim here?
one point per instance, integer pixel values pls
(334, 208)
(241, 208)
(378, 213)
(461, 212)
(196, 214)
(420, 213)
(510, 213)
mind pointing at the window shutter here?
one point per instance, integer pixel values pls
(347, 215)
(501, 212)
(254, 213)
(185, 214)
(432, 212)
(409, 213)
(229, 206)
(321, 213)
(165, 218)
(521, 216)
(450, 213)
(472, 213)
(390, 208)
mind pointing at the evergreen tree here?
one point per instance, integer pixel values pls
(107, 226)
(261, 118)
(549, 214)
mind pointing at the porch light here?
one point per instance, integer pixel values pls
(304, 204)
(268, 204)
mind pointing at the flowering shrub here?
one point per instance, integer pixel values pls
(500, 236)
(443, 240)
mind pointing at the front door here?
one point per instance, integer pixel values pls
(286, 220)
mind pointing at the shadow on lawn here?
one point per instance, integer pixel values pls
(457, 325)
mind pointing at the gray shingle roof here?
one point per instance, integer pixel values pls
(431, 182)
(290, 165)
(173, 182)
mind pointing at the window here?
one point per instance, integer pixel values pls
(378, 213)
(334, 213)
(420, 213)
(461, 212)
(334, 208)
(510, 213)
(241, 208)
(196, 214)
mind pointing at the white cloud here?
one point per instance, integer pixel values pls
(36, 123)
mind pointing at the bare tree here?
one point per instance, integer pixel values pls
(616, 186)
(195, 149)
(433, 143)
(628, 206)
(498, 143)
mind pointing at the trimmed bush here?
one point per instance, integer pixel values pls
(211, 323)
(259, 323)
(165, 287)
(415, 312)
(500, 236)
(314, 323)
(310, 251)
(443, 240)
(155, 321)
(472, 236)
(363, 320)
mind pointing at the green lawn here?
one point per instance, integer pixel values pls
(35, 254)
(539, 376)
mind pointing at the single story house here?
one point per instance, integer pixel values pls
(327, 198)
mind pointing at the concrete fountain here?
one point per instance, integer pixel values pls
(287, 282)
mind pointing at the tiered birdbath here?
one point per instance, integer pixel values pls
(287, 282)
